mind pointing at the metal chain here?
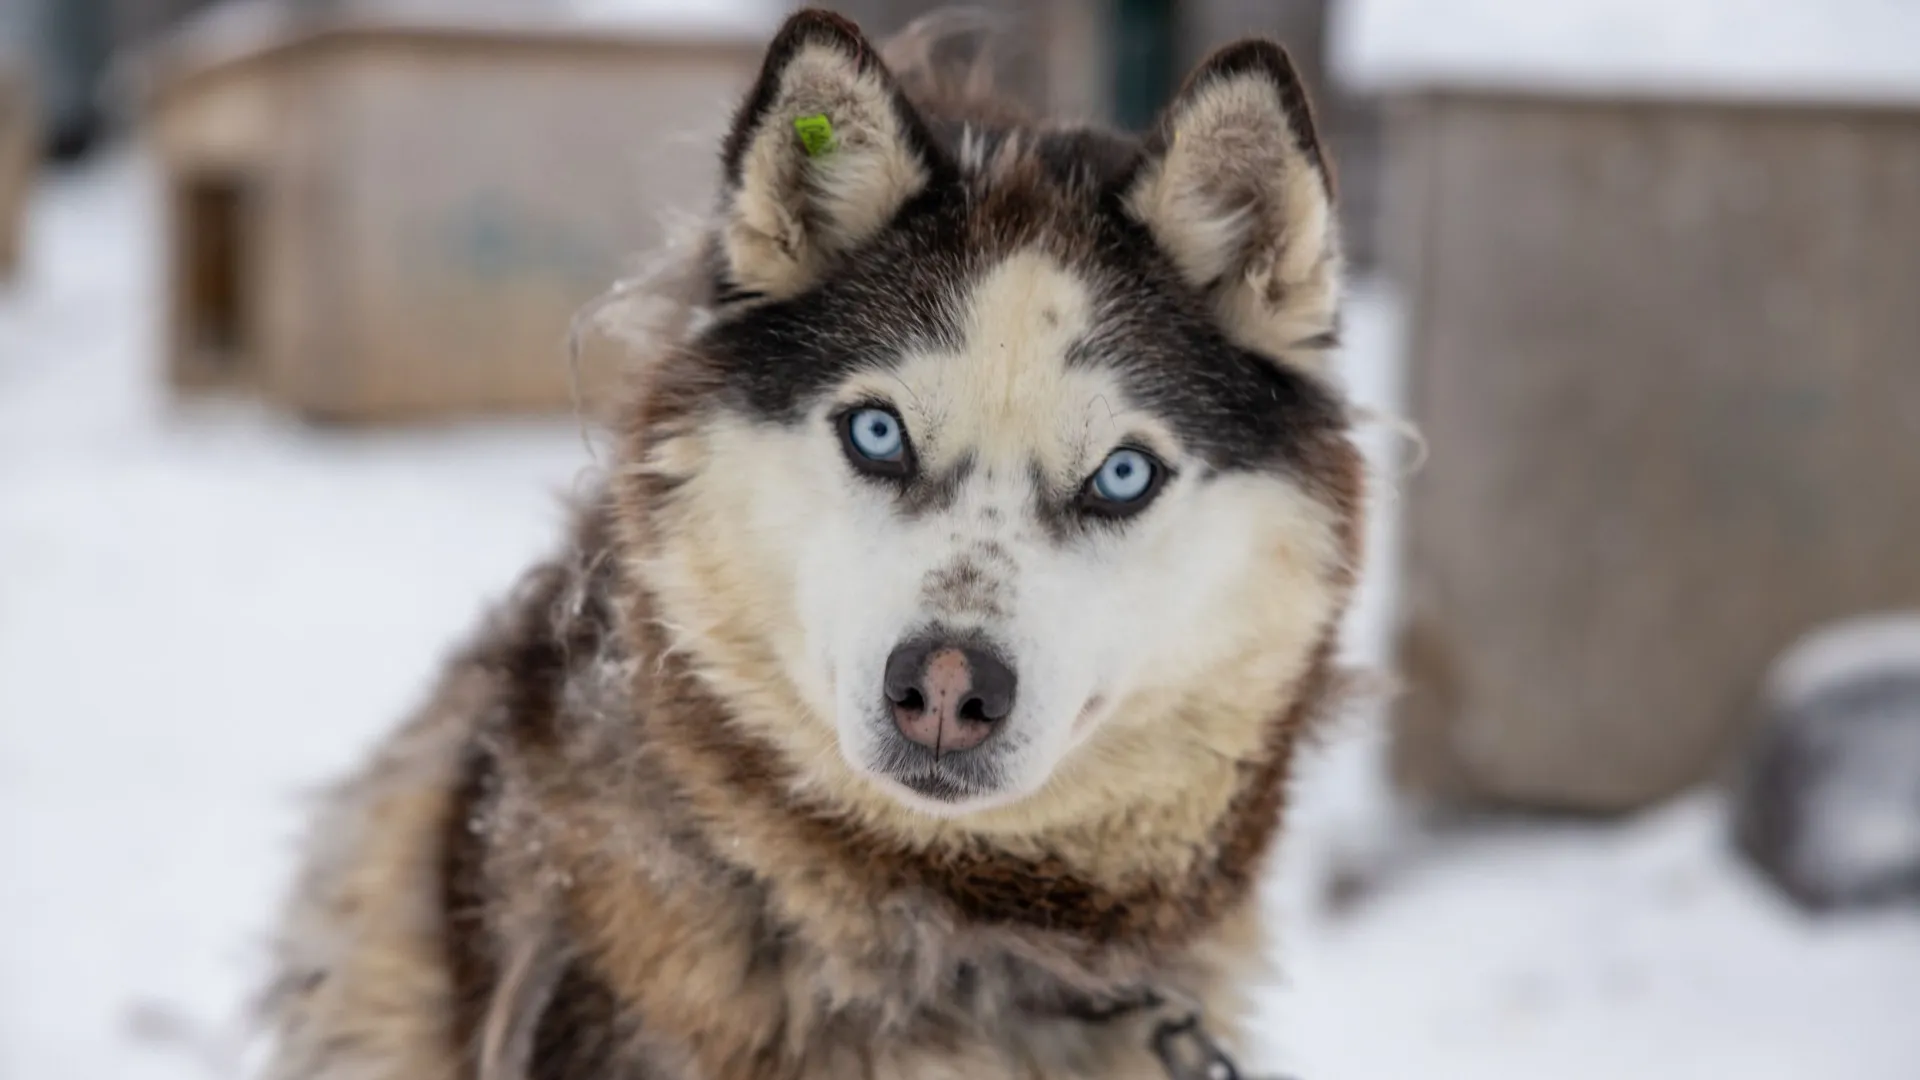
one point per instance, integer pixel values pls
(1187, 1052)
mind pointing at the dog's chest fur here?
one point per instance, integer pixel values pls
(648, 900)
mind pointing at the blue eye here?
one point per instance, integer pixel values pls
(1126, 476)
(875, 434)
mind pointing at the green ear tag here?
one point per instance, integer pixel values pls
(816, 134)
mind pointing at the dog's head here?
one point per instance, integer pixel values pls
(1005, 474)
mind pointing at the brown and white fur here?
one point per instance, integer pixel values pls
(658, 820)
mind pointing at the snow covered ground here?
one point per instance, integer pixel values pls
(183, 590)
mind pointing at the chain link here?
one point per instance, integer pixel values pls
(1187, 1052)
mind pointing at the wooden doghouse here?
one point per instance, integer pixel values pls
(19, 151)
(1664, 345)
(383, 219)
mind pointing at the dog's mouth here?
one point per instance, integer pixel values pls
(952, 778)
(938, 786)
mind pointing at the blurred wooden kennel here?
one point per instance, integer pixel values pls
(1666, 352)
(386, 220)
(19, 152)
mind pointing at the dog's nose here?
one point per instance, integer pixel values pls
(946, 696)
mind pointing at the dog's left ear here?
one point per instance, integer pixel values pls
(1235, 189)
(823, 151)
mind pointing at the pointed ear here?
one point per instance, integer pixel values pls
(822, 153)
(1235, 189)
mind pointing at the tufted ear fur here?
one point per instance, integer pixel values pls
(1235, 189)
(823, 152)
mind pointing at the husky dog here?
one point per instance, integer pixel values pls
(918, 695)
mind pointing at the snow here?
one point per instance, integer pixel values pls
(185, 590)
(1846, 651)
(1847, 51)
(1596, 953)
(184, 595)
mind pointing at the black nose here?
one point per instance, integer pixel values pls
(948, 696)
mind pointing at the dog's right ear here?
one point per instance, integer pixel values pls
(1235, 188)
(823, 152)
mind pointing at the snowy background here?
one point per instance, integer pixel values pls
(1859, 51)
(207, 611)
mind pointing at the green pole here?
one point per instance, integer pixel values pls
(1143, 37)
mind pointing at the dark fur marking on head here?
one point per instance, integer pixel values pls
(962, 587)
(1057, 513)
(993, 551)
(777, 359)
(903, 295)
(934, 493)
(1087, 158)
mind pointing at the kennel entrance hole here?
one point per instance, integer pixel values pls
(217, 222)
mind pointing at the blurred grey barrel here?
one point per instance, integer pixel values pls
(1665, 349)
(1828, 804)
